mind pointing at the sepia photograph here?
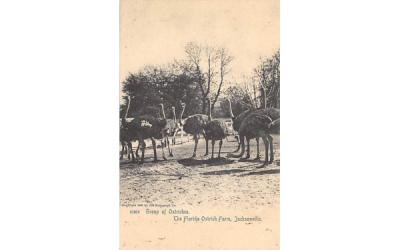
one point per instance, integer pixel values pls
(155, 124)
(199, 123)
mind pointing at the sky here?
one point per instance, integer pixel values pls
(156, 31)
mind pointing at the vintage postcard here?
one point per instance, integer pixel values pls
(199, 124)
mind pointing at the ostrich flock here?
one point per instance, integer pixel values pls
(250, 124)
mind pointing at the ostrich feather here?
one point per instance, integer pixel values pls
(194, 124)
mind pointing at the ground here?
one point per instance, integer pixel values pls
(224, 187)
(184, 181)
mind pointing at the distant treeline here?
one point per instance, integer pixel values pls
(198, 77)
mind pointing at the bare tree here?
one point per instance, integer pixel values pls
(224, 60)
(207, 63)
(250, 88)
(267, 74)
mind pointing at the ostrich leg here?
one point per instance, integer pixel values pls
(219, 150)
(169, 148)
(130, 151)
(153, 142)
(162, 149)
(204, 135)
(173, 137)
(196, 140)
(206, 148)
(137, 150)
(238, 141)
(266, 144)
(271, 140)
(143, 145)
(212, 148)
(121, 153)
(248, 148)
(258, 148)
(242, 146)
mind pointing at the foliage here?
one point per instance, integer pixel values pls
(199, 76)
(239, 98)
(268, 75)
(154, 85)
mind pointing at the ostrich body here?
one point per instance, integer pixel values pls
(214, 130)
(237, 121)
(140, 128)
(273, 114)
(128, 133)
(151, 128)
(260, 123)
(194, 125)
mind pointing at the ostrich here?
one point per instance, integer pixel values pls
(152, 128)
(273, 127)
(273, 113)
(124, 134)
(129, 131)
(173, 127)
(194, 125)
(177, 127)
(214, 130)
(260, 123)
(164, 132)
(124, 140)
(140, 128)
(237, 121)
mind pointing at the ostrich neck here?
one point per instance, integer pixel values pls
(181, 116)
(230, 110)
(128, 107)
(264, 96)
(162, 112)
(174, 115)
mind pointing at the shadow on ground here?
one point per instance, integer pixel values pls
(148, 161)
(269, 171)
(223, 172)
(210, 162)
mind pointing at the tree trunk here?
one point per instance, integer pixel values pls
(204, 105)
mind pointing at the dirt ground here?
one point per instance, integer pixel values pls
(223, 187)
(182, 181)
